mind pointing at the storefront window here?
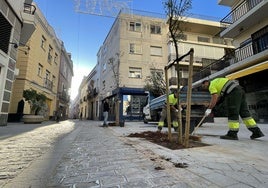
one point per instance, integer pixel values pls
(133, 105)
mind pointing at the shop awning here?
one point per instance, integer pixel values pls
(248, 71)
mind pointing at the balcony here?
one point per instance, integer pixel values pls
(251, 53)
(91, 93)
(29, 25)
(64, 97)
(48, 84)
(226, 2)
(243, 17)
(216, 66)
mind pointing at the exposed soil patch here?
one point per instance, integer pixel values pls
(161, 138)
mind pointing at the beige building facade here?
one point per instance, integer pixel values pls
(83, 104)
(39, 68)
(88, 94)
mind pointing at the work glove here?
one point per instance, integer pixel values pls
(207, 112)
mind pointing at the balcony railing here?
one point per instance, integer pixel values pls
(48, 84)
(239, 11)
(216, 66)
(241, 53)
(29, 8)
(63, 96)
(244, 52)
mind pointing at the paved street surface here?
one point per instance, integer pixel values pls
(81, 154)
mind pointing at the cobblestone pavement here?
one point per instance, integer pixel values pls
(81, 154)
(21, 144)
(98, 158)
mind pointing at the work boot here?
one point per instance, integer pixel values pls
(256, 132)
(159, 129)
(231, 135)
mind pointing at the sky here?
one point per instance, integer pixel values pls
(84, 33)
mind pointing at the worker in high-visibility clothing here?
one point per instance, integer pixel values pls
(235, 98)
(173, 100)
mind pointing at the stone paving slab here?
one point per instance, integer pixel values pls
(23, 145)
(82, 154)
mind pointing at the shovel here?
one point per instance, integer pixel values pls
(198, 125)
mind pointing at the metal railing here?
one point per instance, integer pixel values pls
(240, 11)
(244, 52)
(216, 66)
(29, 8)
(48, 84)
(240, 54)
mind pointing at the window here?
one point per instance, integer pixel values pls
(5, 31)
(134, 48)
(53, 80)
(47, 83)
(155, 29)
(133, 105)
(135, 26)
(134, 72)
(203, 39)
(156, 50)
(104, 67)
(103, 83)
(56, 58)
(49, 56)
(47, 75)
(40, 70)
(181, 37)
(260, 40)
(43, 42)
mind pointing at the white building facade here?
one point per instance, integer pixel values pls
(247, 24)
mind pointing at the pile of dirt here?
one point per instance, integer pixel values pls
(161, 138)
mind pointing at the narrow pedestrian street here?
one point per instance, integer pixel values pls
(83, 154)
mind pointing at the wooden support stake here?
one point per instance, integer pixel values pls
(179, 105)
(168, 106)
(189, 99)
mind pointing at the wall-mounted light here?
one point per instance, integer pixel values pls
(15, 45)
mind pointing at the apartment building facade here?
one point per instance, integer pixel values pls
(203, 36)
(247, 24)
(64, 84)
(135, 46)
(89, 106)
(39, 69)
(83, 103)
(138, 45)
(16, 26)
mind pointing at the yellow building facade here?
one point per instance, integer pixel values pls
(38, 68)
